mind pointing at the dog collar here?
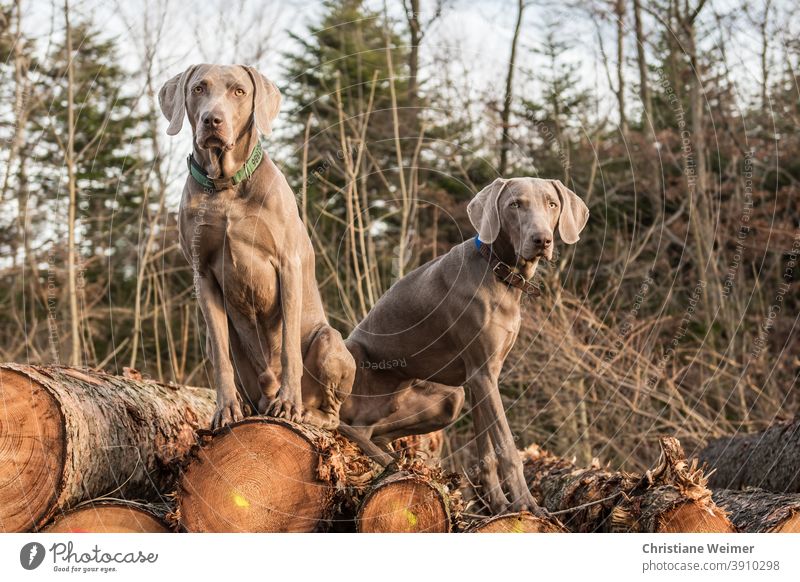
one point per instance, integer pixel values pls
(214, 185)
(505, 273)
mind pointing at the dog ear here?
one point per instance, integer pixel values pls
(484, 213)
(172, 98)
(266, 100)
(574, 214)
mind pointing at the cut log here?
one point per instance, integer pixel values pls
(67, 435)
(768, 460)
(270, 475)
(522, 522)
(415, 497)
(404, 503)
(671, 498)
(758, 511)
(110, 517)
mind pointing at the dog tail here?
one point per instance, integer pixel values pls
(370, 449)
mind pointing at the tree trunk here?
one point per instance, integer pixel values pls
(67, 435)
(110, 517)
(641, 60)
(415, 33)
(523, 522)
(72, 273)
(619, 11)
(671, 498)
(505, 116)
(758, 511)
(271, 475)
(769, 460)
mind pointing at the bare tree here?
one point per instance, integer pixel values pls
(417, 28)
(505, 116)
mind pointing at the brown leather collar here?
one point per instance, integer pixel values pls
(505, 273)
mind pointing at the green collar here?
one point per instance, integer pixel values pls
(212, 185)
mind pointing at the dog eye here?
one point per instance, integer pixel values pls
(553, 205)
(514, 204)
(239, 92)
(198, 89)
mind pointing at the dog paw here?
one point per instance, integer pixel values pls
(285, 409)
(527, 503)
(321, 419)
(227, 412)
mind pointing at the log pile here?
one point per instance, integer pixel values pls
(67, 435)
(673, 497)
(82, 450)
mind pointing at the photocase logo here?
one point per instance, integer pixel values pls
(31, 555)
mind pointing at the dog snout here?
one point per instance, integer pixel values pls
(542, 240)
(212, 119)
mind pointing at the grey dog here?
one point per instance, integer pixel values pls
(453, 321)
(268, 338)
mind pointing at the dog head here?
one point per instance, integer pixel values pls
(223, 103)
(527, 211)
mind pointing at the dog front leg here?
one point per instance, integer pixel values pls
(211, 304)
(288, 403)
(509, 464)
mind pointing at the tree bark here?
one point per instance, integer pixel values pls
(67, 435)
(271, 475)
(673, 497)
(769, 459)
(758, 511)
(505, 116)
(110, 517)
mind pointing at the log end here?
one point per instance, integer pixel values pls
(108, 518)
(259, 475)
(523, 522)
(694, 517)
(31, 452)
(409, 504)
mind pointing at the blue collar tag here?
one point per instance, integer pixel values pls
(478, 243)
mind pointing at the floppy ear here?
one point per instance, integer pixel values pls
(574, 214)
(484, 213)
(172, 99)
(266, 100)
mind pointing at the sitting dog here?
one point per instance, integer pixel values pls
(252, 260)
(453, 321)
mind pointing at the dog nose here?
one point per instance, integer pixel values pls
(543, 240)
(212, 118)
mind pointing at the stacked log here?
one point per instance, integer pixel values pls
(67, 435)
(270, 475)
(411, 497)
(671, 498)
(758, 511)
(768, 460)
(110, 517)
